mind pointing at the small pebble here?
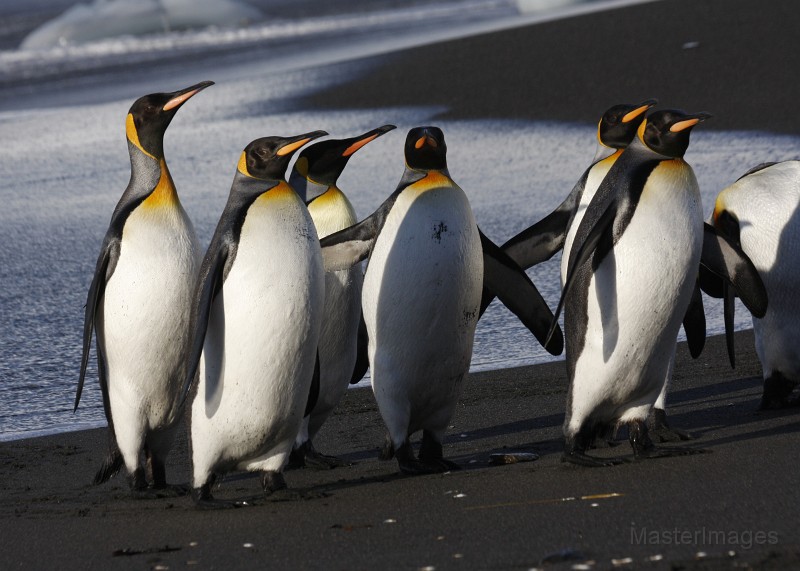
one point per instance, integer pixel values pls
(657, 557)
(594, 505)
(192, 544)
(691, 45)
(160, 568)
(731, 554)
(464, 435)
(439, 538)
(428, 568)
(248, 545)
(581, 567)
(390, 520)
(460, 496)
(623, 561)
(700, 554)
(458, 555)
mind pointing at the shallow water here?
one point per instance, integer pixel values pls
(64, 164)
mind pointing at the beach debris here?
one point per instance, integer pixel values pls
(690, 45)
(731, 553)
(460, 495)
(502, 458)
(700, 555)
(458, 555)
(248, 545)
(160, 567)
(622, 561)
(656, 557)
(428, 568)
(548, 501)
(128, 551)
(193, 544)
(390, 520)
(594, 505)
(581, 567)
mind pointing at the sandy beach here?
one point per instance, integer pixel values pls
(735, 507)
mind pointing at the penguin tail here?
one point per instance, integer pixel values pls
(111, 466)
(387, 452)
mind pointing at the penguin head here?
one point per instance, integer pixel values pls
(324, 162)
(667, 131)
(267, 158)
(425, 149)
(618, 125)
(149, 117)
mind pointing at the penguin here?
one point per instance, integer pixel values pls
(139, 304)
(256, 319)
(759, 213)
(314, 176)
(538, 243)
(630, 278)
(428, 263)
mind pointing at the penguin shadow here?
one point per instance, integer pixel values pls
(728, 405)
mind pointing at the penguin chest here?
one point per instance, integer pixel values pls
(423, 285)
(639, 293)
(145, 310)
(260, 346)
(595, 176)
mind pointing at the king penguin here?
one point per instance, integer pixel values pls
(760, 212)
(538, 243)
(256, 319)
(428, 263)
(139, 303)
(630, 278)
(314, 176)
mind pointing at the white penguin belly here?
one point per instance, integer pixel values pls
(596, 175)
(637, 299)
(261, 343)
(421, 297)
(338, 341)
(143, 321)
(767, 204)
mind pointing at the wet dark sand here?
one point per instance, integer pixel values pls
(740, 498)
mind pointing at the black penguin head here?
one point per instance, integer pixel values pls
(667, 132)
(425, 149)
(150, 116)
(323, 162)
(267, 158)
(618, 125)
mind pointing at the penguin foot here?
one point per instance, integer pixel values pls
(319, 461)
(777, 393)
(582, 459)
(203, 499)
(660, 430)
(272, 481)
(387, 451)
(306, 456)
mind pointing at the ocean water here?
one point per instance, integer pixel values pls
(64, 164)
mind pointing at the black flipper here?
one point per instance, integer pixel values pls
(505, 279)
(599, 233)
(345, 248)
(107, 258)
(362, 352)
(210, 280)
(540, 242)
(728, 310)
(723, 259)
(694, 323)
(313, 392)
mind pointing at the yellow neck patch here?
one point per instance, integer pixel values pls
(434, 179)
(164, 193)
(281, 191)
(133, 135)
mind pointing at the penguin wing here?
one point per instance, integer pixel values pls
(313, 391)
(600, 233)
(106, 261)
(723, 262)
(540, 242)
(505, 279)
(694, 323)
(212, 275)
(345, 248)
(362, 353)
